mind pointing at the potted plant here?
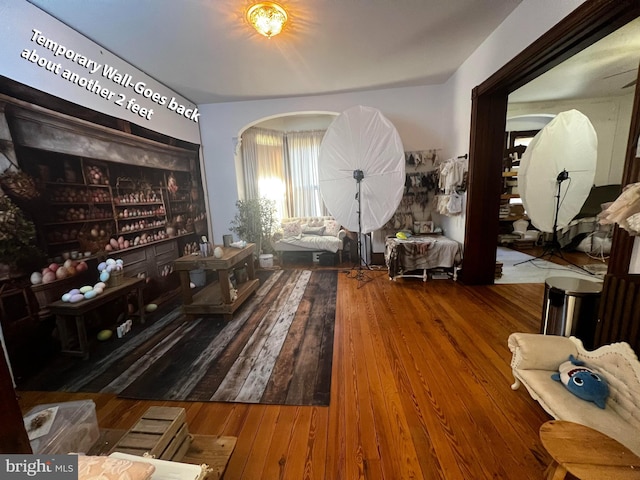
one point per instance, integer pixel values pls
(255, 221)
(18, 253)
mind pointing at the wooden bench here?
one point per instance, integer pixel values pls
(65, 310)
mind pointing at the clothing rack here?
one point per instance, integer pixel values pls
(465, 156)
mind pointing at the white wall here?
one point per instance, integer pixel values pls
(425, 117)
(611, 119)
(522, 27)
(418, 113)
(19, 18)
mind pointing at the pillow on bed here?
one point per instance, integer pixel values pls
(307, 230)
(291, 229)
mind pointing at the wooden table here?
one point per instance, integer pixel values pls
(586, 453)
(215, 298)
(64, 310)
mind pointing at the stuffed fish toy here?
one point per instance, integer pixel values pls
(582, 381)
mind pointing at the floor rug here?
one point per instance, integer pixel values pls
(277, 349)
(518, 267)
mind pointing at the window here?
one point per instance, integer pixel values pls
(284, 167)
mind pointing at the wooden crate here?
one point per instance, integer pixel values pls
(161, 432)
(211, 451)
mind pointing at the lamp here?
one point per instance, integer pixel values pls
(267, 18)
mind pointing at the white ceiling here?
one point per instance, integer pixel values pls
(607, 68)
(206, 51)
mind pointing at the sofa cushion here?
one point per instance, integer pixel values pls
(307, 230)
(563, 405)
(291, 229)
(331, 227)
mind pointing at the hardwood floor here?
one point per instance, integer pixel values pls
(420, 389)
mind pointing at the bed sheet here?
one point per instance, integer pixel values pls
(424, 252)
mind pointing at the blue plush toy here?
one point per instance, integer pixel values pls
(582, 381)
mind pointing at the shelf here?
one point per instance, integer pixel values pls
(133, 218)
(75, 185)
(126, 205)
(508, 196)
(142, 245)
(513, 218)
(65, 184)
(510, 174)
(64, 242)
(138, 230)
(62, 204)
(73, 222)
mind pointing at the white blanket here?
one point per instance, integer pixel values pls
(314, 243)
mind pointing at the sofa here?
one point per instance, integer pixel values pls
(536, 357)
(309, 234)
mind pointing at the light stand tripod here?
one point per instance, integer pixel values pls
(553, 248)
(359, 274)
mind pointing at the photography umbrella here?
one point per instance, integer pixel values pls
(557, 171)
(361, 169)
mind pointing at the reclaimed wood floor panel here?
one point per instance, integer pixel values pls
(277, 349)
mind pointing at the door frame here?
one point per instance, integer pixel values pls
(587, 24)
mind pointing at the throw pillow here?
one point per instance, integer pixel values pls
(107, 468)
(582, 381)
(313, 230)
(331, 227)
(291, 229)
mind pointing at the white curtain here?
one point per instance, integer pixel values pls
(284, 167)
(303, 195)
(264, 167)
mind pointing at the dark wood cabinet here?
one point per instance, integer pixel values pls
(106, 192)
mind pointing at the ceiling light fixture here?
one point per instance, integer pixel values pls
(267, 18)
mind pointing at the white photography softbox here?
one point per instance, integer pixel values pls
(557, 170)
(361, 168)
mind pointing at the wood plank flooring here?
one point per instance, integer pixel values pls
(420, 389)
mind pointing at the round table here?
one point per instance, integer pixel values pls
(586, 453)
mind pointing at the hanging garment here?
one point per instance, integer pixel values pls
(455, 204)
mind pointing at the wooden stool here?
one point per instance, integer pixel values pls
(586, 453)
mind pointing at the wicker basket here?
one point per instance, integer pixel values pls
(115, 278)
(18, 185)
(88, 243)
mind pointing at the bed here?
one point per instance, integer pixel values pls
(417, 255)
